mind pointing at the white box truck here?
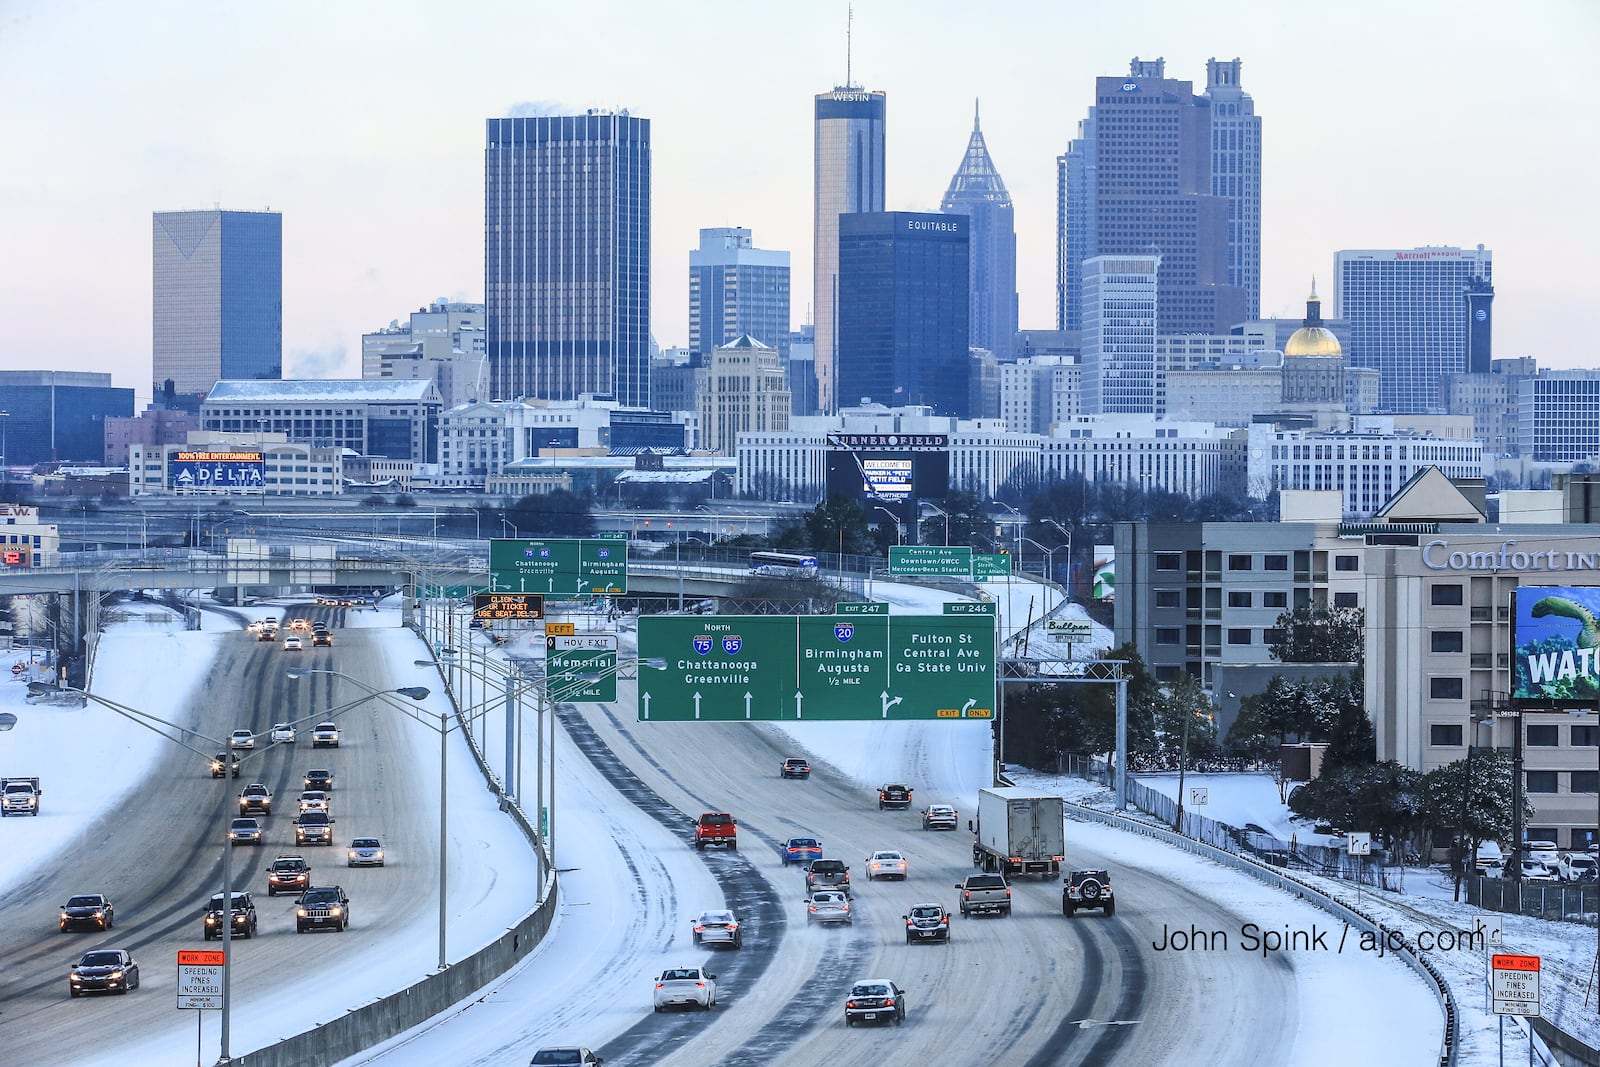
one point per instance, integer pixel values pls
(1020, 831)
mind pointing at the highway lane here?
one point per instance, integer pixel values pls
(159, 857)
(1037, 987)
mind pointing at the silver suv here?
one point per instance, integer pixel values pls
(325, 734)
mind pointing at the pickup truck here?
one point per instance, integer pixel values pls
(19, 796)
(716, 828)
(827, 874)
(894, 796)
(983, 894)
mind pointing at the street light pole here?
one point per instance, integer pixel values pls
(1064, 532)
(899, 539)
(946, 514)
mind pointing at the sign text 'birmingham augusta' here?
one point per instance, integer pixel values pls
(815, 667)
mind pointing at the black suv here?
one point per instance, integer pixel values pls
(244, 916)
(1087, 889)
(319, 779)
(323, 905)
(220, 762)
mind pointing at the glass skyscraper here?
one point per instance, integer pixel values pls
(1140, 179)
(216, 298)
(849, 178)
(567, 256)
(977, 191)
(736, 289)
(1408, 311)
(903, 310)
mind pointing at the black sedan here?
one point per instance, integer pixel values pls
(875, 1000)
(112, 970)
(87, 911)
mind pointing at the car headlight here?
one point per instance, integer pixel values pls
(76, 977)
(300, 912)
(114, 974)
(65, 916)
(336, 911)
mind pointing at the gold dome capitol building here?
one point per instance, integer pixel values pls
(1313, 338)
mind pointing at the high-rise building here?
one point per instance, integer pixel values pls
(1236, 175)
(1138, 181)
(744, 393)
(443, 341)
(735, 290)
(53, 415)
(977, 192)
(1121, 305)
(903, 311)
(1409, 311)
(216, 298)
(849, 178)
(567, 256)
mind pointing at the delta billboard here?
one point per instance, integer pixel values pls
(1556, 634)
(216, 472)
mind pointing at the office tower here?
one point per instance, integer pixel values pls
(1408, 312)
(736, 289)
(744, 393)
(567, 257)
(1121, 306)
(443, 341)
(1138, 181)
(801, 371)
(849, 178)
(1236, 175)
(1479, 295)
(216, 298)
(977, 192)
(903, 311)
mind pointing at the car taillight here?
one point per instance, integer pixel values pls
(888, 1002)
(699, 929)
(699, 985)
(1008, 893)
(966, 894)
(730, 926)
(812, 908)
(849, 1003)
(659, 986)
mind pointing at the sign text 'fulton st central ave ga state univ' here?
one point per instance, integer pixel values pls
(815, 667)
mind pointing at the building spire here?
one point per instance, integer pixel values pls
(849, 28)
(974, 114)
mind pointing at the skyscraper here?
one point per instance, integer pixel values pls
(1138, 180)
(217, 298)
(1236, 175)
(1408, 311)
(977, 192)
(903, 310)
(1121, 306)
(736, 289)
(567, 256)
(849, 178)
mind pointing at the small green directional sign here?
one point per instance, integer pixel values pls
(871, 607)
(816, 667)
(970, 607)
(987, 565)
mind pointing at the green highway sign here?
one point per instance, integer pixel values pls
(581, 668)
(815, 667)
(871, 607)
(931, 561)
(987, 565)
(558, 567)
(970, 607)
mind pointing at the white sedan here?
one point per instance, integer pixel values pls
(364, 852)
(718, 928)
(282, 733)
(886, 864)
(242, 739)
(685, 987)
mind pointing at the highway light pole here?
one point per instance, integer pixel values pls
(1064, 532)
(416, 693)
(899, 538)
(942, 511)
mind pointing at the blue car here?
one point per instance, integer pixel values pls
(801, 850)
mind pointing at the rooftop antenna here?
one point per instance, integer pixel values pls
(849, 28)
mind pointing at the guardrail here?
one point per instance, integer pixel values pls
(369, 1024)
(1276, 877)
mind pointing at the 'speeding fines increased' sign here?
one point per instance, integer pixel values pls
(200, 979)
(1516, 984)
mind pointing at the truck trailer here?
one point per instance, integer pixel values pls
(1019, 831)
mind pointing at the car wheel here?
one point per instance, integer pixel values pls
(733, 846)
(76, 993)
(1111, 907)
(1006, 911)
(699, 846)
(898, 1019)
(110, 922)
(848, 1022)
(658, 1009)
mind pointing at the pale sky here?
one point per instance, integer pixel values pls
(1385, 125)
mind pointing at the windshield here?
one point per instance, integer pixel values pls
(681, 974)
(101, 959)
(364, 842)
(870, 989)
(244, 824)
(287, 865)
(887, 856)
(717, 917)
(928, 912)
(320, 896)
(828, 865)
(84, 902)
(556, 1055)
(804, 842)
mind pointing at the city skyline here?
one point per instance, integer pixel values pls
(1442, 130)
